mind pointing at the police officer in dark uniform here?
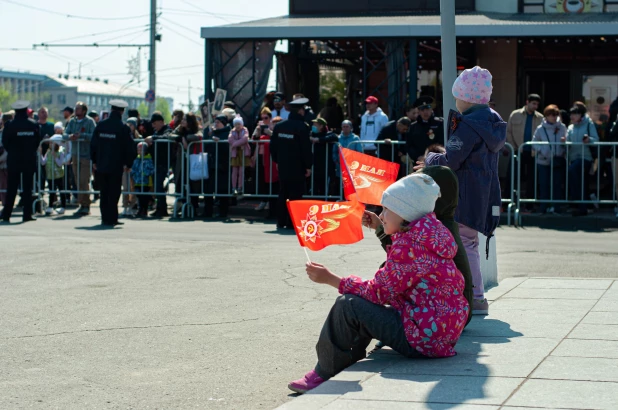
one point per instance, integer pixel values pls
(290, 149)
(112, 150)
(21, 139)
(427, 130)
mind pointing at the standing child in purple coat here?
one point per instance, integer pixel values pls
(476, 136)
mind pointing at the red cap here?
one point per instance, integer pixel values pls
(30, 111)
(371, 100)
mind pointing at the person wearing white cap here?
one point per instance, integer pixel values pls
(112, 151)
(414, 304)
(21, 139)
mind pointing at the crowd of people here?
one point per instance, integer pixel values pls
(242, 160)
(546, 168)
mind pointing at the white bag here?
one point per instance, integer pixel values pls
(198, 164)
(489, 267)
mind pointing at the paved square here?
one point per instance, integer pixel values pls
(172, 314)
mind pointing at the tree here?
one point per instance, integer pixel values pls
(332, 84)
(7, 98)
(143, 110)
(163, 107)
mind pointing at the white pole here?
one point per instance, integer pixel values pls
(449, 56)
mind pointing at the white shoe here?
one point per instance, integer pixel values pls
(49, 211)
(551, 210)
(261, 206)
(126, 212)
(60, 211)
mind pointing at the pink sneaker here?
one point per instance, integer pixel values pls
(309, 382)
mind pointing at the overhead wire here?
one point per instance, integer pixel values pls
(194, 12)
(182, 35)
(207, 12)
(163, 69)
(111, 51)
(177, 24)
(97, 34)
(74, 16)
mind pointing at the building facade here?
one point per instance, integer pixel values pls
(391, 49)
(63, 90)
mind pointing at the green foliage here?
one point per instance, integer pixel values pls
(143, 110)
(332, 84)
(163, 107)
(7, 98)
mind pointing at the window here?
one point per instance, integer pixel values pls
(61, 98)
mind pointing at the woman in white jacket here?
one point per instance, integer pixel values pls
(551, 159)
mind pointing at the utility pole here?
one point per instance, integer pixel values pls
(449, 57)
(153, 53)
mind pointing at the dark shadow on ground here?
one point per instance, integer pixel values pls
(450, 391)
(282, 232)
(98, 227)
(68, 217)
(335, 387)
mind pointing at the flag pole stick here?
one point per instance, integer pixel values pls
(307, 254)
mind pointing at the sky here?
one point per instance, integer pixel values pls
(180, 54)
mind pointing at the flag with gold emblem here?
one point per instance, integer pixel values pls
(369, 176)
(319, 224)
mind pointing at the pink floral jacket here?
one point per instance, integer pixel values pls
(421, 281)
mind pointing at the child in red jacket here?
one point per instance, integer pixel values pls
(414, 304)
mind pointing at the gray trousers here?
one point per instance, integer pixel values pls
(349, 328)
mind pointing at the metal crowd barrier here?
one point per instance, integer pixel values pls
(409, 164)
(20, 190)
(42, 187)
(570, 155)
(511, 200)
(212, 188)
(332, 187)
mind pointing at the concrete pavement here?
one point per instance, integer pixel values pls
(547, 343)
(163, 314)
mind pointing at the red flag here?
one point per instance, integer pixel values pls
(319, 224)
(369, 175)
(346, 178)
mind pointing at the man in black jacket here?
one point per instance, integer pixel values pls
(290, 149)
(21, 139)
(426, 131)
(160, 148)
(394, 131)
(112, 150)
(323, 142)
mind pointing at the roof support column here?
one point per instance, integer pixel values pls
(449, 57)
(208, 65)
(413, 71)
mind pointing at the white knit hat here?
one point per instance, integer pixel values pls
(412, 197)
(238, 120)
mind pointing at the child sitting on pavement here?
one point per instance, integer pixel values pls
(414, 304)
(476, 136)
(445, 212)
(142, 173)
